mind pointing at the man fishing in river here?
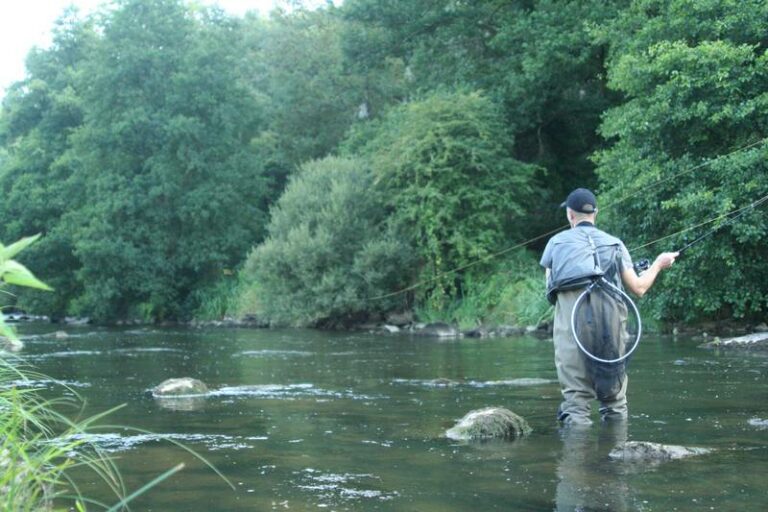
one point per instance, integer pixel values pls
(586, 271)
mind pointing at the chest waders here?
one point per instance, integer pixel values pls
(605, 322)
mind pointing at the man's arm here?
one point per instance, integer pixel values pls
(641, 284)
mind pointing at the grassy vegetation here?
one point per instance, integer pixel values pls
(41, 449)
(512, 294)
(40, 446)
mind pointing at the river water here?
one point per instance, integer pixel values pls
(305, 421)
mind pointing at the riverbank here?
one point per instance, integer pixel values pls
(707, 331)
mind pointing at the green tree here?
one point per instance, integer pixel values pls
(537, 59)
(295, 60)
(164, 156)
(444, 165)
(329, 249)
(694, 77)
(38, 118)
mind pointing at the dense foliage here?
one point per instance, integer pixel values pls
(695, 93)
(329, 248)
(445, 168)
(148, 186)
(150, 140)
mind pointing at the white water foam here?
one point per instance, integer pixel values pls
(274, 353)
(113, 442)
(335, 487)
(442, 383)
(285, 392)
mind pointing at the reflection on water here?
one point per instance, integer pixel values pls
(305, 420)
(587, 478)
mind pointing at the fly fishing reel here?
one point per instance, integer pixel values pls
(641, 266)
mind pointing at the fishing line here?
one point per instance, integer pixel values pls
(441, 275)
(464, 267)
(734, 214)
(687, 171)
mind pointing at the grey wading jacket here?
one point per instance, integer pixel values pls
(577, 256)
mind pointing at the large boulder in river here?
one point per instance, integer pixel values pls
(184, 394)
(489, 423)
(185, 386)
(642, 451)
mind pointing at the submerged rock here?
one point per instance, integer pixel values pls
(489, 423)
(182, 387)
(642, 451)
(754, 341)
(184, 394)
(10, 345)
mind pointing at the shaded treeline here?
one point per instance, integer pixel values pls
(182, 162)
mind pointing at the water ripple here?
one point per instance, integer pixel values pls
(286, 392)
(113, 442)
(43, 383)
(443, 383)
(274, 353)
(335, 487)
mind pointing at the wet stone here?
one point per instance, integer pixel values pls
(643, 451)
(180, 387)
(489, 423)
(10, 345)
(754, 341)
(438, 330)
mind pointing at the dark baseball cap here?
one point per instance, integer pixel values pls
(581, 200)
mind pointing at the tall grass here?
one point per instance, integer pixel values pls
(218, 300)
(39, 446)
(513, 293)
(234, 296)
(40, 449)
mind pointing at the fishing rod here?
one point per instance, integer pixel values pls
(643, 264)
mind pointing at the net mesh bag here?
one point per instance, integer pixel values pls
(606, 328)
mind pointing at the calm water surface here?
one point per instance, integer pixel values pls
(305, 420)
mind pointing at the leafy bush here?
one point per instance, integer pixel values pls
(513, 293)
(444, 167)
(329, 249)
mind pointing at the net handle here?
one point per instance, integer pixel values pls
(634, 309)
